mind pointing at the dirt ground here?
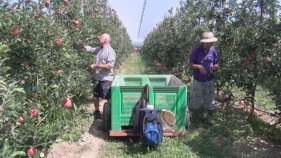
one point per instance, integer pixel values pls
(88, 145)
(256, 147)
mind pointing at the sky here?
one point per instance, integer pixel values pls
(129, 12)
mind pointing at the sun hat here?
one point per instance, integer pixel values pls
(168, 118)
(208, 37)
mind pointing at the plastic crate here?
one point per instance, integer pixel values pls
(166, 92)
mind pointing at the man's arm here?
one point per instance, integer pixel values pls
(201, 68)
(101, 66)
(89, 49)
(109, 65)
(195, 66)
(192, 60)
(92, 49)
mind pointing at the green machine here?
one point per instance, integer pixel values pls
(166, 92)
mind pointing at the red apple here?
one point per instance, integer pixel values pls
(65, 2)
(15, 31)
(229, 13)
(34, 96)
(25, 64)
(252, 56)
(67, 103)
(31, 152)
(36, 17)
(21, 82)
(270, 46)
(60, 73)
(59, 11)
(33, 112)
(267, 60)
(76, 23)
(47, 3)
(21, 120)
(58, 42)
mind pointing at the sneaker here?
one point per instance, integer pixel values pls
(97, 114)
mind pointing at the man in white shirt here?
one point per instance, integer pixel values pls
(102, 70)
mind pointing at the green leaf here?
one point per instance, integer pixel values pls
(75, 107)
(21, 90)
(37, 155)
(18, 153)
(6, 148)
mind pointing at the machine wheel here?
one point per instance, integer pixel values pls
(106, 118)
(138, 115)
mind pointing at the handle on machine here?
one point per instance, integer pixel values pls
(145, 94)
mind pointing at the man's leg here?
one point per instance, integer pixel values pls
(106, 91)
(96, 93)
(96, 103)
(195, 97)
(209, 89)
(97, 113)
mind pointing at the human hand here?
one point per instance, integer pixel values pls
(82, 45)
(215, 68)
(87, 48)
(202, 70)
(92, 67)
(89, 68)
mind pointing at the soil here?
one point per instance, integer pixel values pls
(256, 147)
(87, 146)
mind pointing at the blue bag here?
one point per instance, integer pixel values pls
(151, 133)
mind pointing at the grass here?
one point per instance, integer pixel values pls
(135, 65)
(229, 127)
(263, 98)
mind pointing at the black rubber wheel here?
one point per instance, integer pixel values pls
(138, 114)
(106, 118)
